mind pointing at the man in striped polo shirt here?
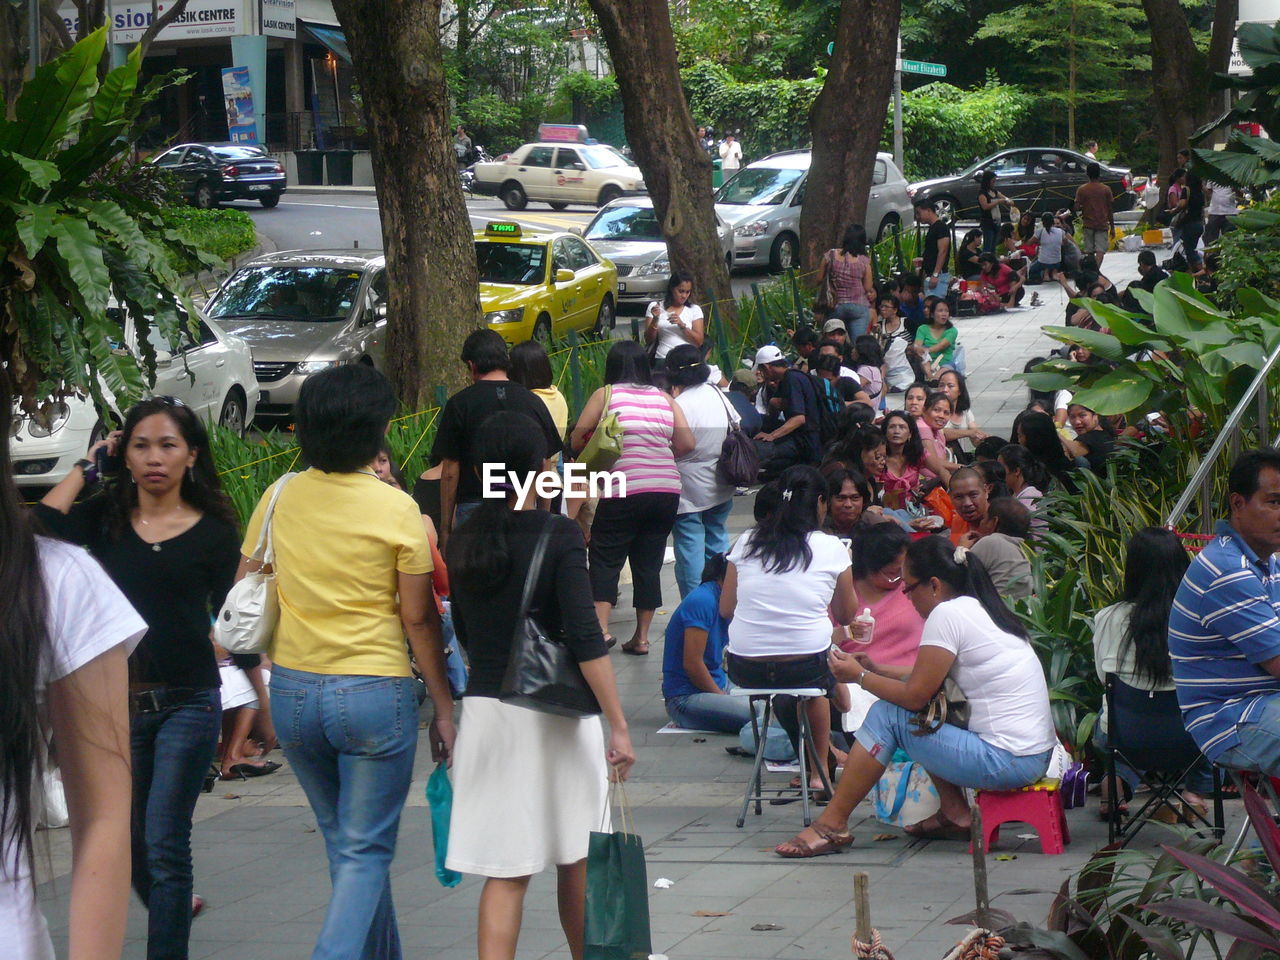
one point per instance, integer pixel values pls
(1224, 629)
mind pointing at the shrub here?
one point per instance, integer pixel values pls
(944, 127)
(219, 233)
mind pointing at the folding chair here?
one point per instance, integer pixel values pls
(1266, 789)
(1145, 731)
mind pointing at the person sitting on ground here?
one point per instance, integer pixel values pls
(835, 344)
(988, 448)
(805, 341)
(790, 433)
(835, 390)
(1049, 254)
(992, 478)
(938, 411)
(742, 397)
(783, 575)
(849, 495)
(895, 342)
(1094, 442)
(1151, 275)
(1008, 250)
(968, 491)
(969, 256)
(1224, 632)
(878, 556)
(1131, 640)
(694, 685)
(910, 301)
(870, 368)
(1002, 279)
(906, 459)
(961, 430)
(1035, 432)
(935, 342)
(972, 637)
(998, 542)
(868, 445)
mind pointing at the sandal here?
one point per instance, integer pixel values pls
(637, 648)
(1104, 810)
(828, 842)
(243, 771)
(937, 827)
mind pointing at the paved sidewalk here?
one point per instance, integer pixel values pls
(260, 863)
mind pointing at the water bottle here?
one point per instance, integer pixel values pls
(866, 617)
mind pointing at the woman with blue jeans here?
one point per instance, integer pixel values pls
(353, 574)
(166, 534)
(705, 499)
(973, 638)
(853, 285)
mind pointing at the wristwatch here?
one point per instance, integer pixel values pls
(88, 468)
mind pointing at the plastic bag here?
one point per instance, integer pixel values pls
(440, 800)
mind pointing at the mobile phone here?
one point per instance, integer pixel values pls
(107, 465)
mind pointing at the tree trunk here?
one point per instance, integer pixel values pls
(846, 121)
(664, 141)
(433, 295)
(1180, 73)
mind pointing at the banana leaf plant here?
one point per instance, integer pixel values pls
(72, 242)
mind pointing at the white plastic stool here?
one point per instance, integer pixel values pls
(759, 727)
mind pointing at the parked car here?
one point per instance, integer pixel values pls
(559, 173)
(627, 232)
(303, 311)
(210, 172)
(1038, 179)
(538, 284)
(212, 374)
(762, 203)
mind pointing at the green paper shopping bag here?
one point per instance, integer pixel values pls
(617, 915)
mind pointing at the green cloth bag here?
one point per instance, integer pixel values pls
(605, 446)
(617, 913)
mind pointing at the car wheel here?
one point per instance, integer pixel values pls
(513, 196)
(945, 208)
(204, 197)
(890, 224)
(605, 318)
(785, 251)
(558, 205)
(608, 194)
(233, 411)
(542, 331)
(271, 201)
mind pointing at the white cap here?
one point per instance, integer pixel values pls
(769, 354)
(835, 324)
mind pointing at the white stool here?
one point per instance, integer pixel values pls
(760, 727)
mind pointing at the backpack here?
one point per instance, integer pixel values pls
(829, 407)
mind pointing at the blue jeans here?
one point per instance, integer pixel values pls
(709, 711)
(1259, 746)
(351, 742)
(940, 288)
(171, 750)
(989, 236)
(856, 317)
(698, 537)
(1190, 236)
(957, 756)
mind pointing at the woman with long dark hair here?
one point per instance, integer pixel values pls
(848, 497)
(973, 638)
(783, 577)
(166, 534)
(853, 286)
(1035, 431)
(906, 460)
(676, 320)
(1131, 638)
(529, 787)
(962, 432)
(67, 632)
(1024, 475)
(634, 527)
(878, 556)
(989, 200)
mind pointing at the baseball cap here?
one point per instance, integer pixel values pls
(834, 324)
(769, 354)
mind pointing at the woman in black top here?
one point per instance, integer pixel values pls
(529, 787)
(1094, 441)
(989, 200)
(1193, 202)
(968, 264)
(166, 534)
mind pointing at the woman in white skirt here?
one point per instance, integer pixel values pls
(529, 787)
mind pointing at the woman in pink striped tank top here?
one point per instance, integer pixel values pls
(634, 527)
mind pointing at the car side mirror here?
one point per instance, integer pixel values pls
(164, 358)
(977, 178)
(577, 166)
(576, 231)
(379, 312)
(564, 276)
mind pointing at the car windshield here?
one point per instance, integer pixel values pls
(759, 186)
(600, 156)
(309, 294)
(625, 223)
(239, 153)
(511, 262)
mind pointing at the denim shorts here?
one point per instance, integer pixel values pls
(1259, 746)
(760, 674)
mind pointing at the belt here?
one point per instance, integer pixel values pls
(155, 699)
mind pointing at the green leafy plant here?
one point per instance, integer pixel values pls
(218, 233)
(71, 240)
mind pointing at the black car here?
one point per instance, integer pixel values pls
(210, 172)
(1038, 179)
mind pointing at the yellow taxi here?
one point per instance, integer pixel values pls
(537, 284)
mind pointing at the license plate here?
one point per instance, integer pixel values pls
(259, 186)
(622, 288)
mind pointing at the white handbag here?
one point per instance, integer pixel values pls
(247, 621)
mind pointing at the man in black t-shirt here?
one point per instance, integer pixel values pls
(935, 264)
(485, 354)
(1150, 276)
(790, 432)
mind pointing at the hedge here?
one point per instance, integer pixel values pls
(221, 233)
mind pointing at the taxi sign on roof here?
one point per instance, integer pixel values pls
(502, 229)
(562, 133)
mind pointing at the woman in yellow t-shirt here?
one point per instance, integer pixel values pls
(353, 572)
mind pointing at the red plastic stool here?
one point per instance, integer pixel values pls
(1039, 805)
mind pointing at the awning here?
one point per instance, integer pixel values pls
(331, 37)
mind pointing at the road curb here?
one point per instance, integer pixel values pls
(328, 190)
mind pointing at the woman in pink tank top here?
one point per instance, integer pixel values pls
(852, 284)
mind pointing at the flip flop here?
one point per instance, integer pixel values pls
(937, 827)
(829, 842)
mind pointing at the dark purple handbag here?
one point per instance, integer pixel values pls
(739, 464)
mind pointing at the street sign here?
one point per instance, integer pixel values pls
(924, 67)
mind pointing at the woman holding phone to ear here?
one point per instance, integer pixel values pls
(675, 320)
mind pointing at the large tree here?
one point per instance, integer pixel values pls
(1180, 73)
(660, 131)
(846, 122)
(433, 294)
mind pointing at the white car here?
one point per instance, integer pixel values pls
(214, 376)
(560, 174)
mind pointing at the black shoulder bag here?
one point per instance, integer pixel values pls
(738, 464)
(541, 674)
